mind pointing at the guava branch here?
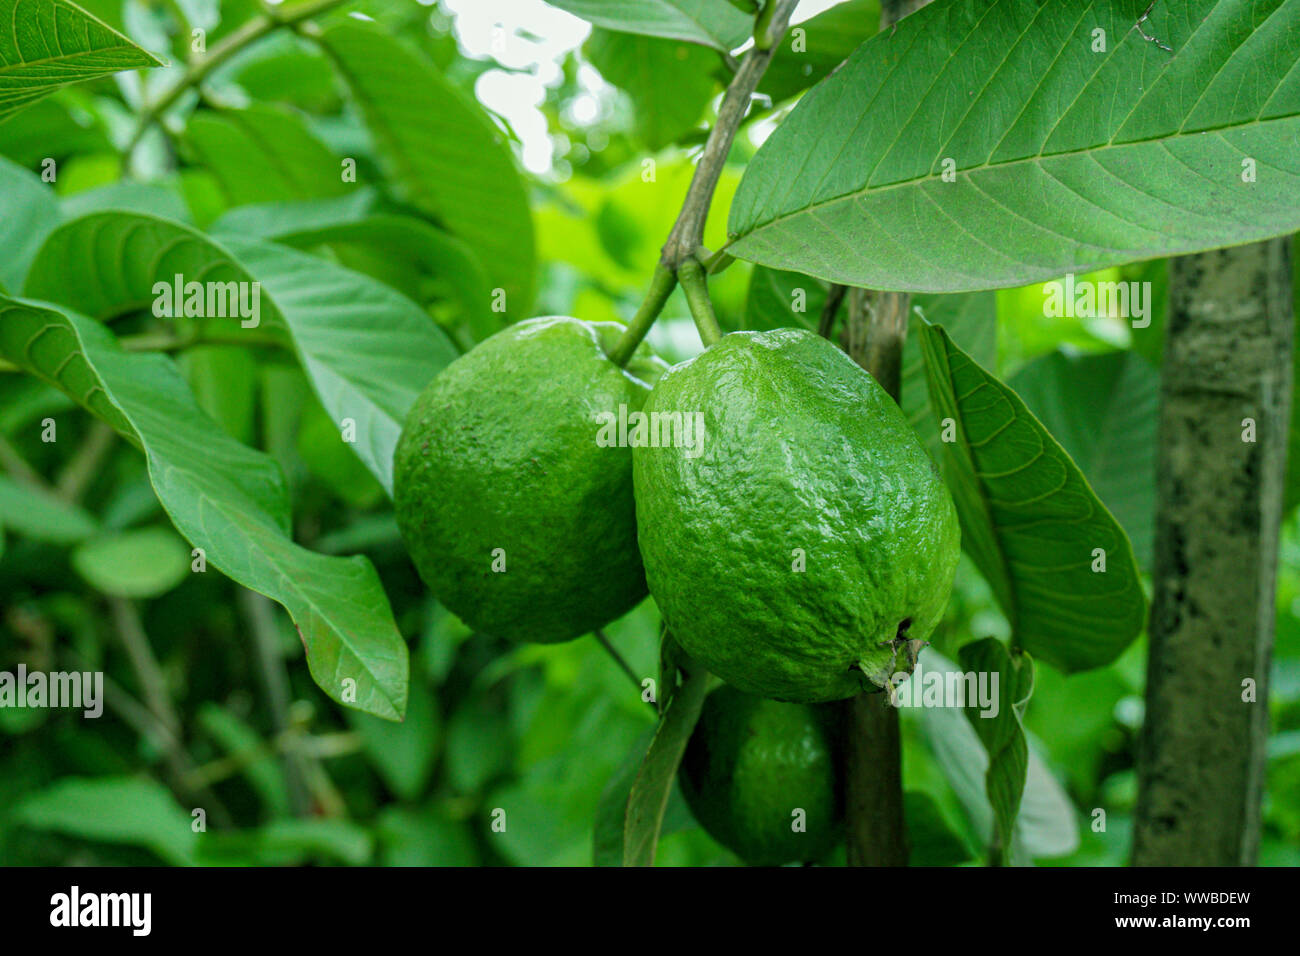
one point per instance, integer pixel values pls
(695, 285)
(687, 233)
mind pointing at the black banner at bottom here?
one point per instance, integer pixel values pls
(337, 906)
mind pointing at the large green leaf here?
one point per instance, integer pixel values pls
(1001, 733)
(714, 23)
(443, 153)
(669, 81)
(46, 44)
(1065, 159)
(224, 497)
(1103, 409)
(368, 350)
(264, 153)
(1029, 519)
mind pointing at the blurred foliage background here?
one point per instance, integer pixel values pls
(209, 703)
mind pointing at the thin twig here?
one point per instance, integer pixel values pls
(17, 466)
(145, 723)
(618, 659)
(85, 464)
(130, 630)
(834, 296)
(260, 615)
(250, 32)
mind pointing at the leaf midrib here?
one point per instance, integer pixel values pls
(968, 171)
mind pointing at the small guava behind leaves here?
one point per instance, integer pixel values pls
(762, 777)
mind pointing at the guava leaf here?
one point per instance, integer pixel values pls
(668, 81)
(368, 350)
(443, 152)
(648, 796)
(30, 211)
(226, 498)
(779, 299)
(931, 841)
(714, 23)
(48, 44)
(134, 811)
(413, 252)
(1002, 734)
(1103, 409)
(1030, 521)
(292, 842)
(971, 318)
(36, 514)
(611, 811)
(1046, 825)
(138, 563)
(264, 153)
(1069, 142)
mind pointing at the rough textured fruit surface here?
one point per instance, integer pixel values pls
(751, 763)
(500, 452)
(806, 462)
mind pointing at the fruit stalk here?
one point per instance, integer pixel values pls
(696, 286)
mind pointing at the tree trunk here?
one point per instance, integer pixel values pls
(874, 333)
(1225, 410)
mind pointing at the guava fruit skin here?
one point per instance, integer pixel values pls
(751, 763)
(802, 450)
(500, 451)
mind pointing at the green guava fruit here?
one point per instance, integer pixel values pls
(801, 544)
(751, 764)
(516, 517)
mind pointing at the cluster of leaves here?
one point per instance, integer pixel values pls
(372, 282)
